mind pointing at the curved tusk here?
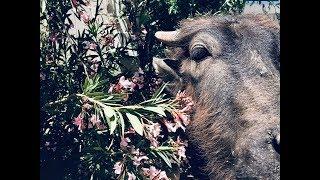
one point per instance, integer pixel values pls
(167, 36)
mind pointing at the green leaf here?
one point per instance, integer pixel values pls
(113, 124)
(135, 122)
(85, 85)
(94, 94)
(121, 121)
(159, 91)
(108, 111)
(165, 158)
(164, 148)
(158, 110)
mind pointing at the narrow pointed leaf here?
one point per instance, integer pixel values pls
(135, 122)
(108, 111)
(113, 124)
(165, 158)
(158, 110)
(121, 121)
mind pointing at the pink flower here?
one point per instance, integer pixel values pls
(126, 83)
(162, 176)
(144, 31)
(135, 151)
(182, 152)
(138, 78)
(177, 119)
(187, 108)
(79, 121)
(53, 37)
(185, 119)
(86, 107)
(118, 167)
(124, 142)
(180, 95)
(137, 160)
(154, 173)
(93, 46)
(111, 88)
(131, 176)
(154, 129)
(154, 142)
(107, 40)
(172, 127)
(115, 88)
(74, 3)
(84, 17)
(130, 131)
(101, 126)
(95, 120)
(146, 171)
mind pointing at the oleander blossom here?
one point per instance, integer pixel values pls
(137, 160)
(124, 142)
(126, 84)
(155, 174)
(118, 166)
(138, 157)
(79, 121)
(94, 119)
(153, 132)
(84, 17)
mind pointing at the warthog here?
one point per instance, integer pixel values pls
(230, 66)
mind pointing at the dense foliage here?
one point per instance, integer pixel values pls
(104, 112)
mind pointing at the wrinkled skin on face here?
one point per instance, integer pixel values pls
(230, 65)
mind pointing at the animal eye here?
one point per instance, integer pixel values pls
(198, 52)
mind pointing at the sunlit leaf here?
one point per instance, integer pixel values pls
(121, 121)
(165, 158)
(113, 124)
(158, 110)
(135, 122)
(108, 111)
(159, 91)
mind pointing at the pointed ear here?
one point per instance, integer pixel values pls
(167, 73)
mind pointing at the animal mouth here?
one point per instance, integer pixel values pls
(166, 69)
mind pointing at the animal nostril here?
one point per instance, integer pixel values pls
(276, 143)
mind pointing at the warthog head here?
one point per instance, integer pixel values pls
(230, 65)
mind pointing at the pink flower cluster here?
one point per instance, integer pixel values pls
(182, 115)
(154, 173)
(125, 85)
(94, 121)
(180, 146)
(153, 131)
